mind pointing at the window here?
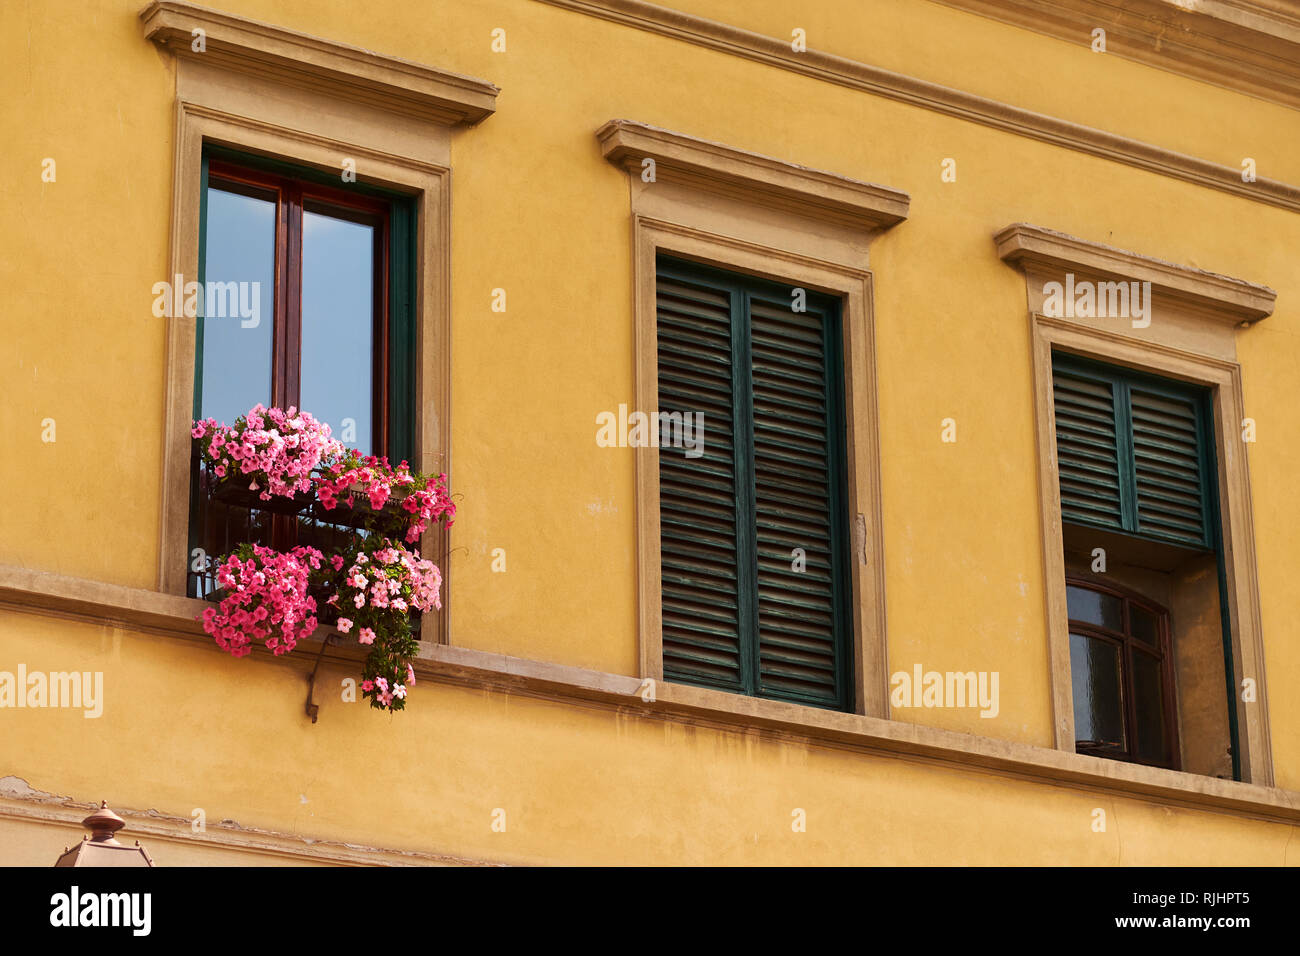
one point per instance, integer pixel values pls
(752, 531)
(1144, 481)
(326, 338)
(307, 303)
(1121, 676)
(1145, 574)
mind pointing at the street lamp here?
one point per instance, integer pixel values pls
(100, 848)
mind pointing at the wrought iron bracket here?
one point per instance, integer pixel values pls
(313, 708)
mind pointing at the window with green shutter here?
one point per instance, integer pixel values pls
(1135, 452)
(753, 532)
(1139, 507)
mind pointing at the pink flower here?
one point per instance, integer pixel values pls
(365, 635)
(367, 685)
(277, 451)
(410, 674)
(266, 600)
(423, 498)
(345, 624)
(337, 561)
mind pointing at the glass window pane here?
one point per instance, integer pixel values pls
(1098, 701)
(1144, 625)
(238, 304)
(338, 269)
(1095, 607)
(1148, 696)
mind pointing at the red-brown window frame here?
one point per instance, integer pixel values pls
(292, 197)
(1128, 646)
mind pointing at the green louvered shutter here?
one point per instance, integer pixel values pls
(736, 613)
(1086, 449)
(797, 445)
(1167, 452)
(697, 496)
(1133, 452)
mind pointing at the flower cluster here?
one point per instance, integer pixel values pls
(374, 586)
(275, 451)
(265, 599)
(382, 584)
(422, 497)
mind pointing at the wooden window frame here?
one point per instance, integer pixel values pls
(1127, 642)
(741, 285)
(294, 197)
(296, 191)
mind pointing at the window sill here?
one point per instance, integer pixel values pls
(45, 592)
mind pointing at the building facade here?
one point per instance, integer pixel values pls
(870, 425)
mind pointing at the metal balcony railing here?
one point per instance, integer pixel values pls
(225, 514)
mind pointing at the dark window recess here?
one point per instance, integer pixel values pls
(1134, 453)
(1122, 676)
(334, 335)
(753, 535)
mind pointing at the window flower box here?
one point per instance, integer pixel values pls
(328, 539)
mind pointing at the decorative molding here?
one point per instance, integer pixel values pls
(24, 805)
(276, 92)
(210, 108)
(1247, 47)
(856, 75)
(42, 592)
(745, 212)
(692, 227)
(751, 177)
(1228, 299)
(1193, 339)
(335, 69)
(1236, 517)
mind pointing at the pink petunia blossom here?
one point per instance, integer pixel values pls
(265, 593)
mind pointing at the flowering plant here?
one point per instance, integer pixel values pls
(423, 497)
(382, 583)
(266, 599)
(275, 450)
(374, 585)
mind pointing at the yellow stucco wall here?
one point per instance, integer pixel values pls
(538, 212)
(578, 785)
